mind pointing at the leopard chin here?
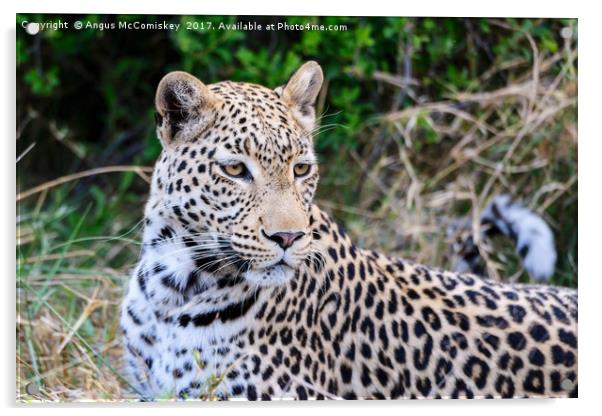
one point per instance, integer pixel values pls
(276, 275)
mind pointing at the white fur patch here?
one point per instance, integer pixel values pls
(533, 235)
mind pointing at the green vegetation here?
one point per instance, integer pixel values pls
(423, 121)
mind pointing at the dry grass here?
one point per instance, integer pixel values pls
(519, 139)
(67, 329)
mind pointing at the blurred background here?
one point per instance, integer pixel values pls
(423, 121)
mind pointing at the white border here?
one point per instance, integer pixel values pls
(460, 8)
(590, 152)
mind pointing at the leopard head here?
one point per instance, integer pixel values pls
(236, 178)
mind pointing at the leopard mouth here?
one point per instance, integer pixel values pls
(281, 264)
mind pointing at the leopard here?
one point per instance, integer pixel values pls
(245, 289)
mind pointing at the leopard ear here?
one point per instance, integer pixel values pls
(301, 91)
(185, 107)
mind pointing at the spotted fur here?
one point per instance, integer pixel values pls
(220, 306)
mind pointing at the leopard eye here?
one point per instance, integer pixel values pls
(236, 170)
(301, 169)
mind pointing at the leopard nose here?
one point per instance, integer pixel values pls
(284, 239)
